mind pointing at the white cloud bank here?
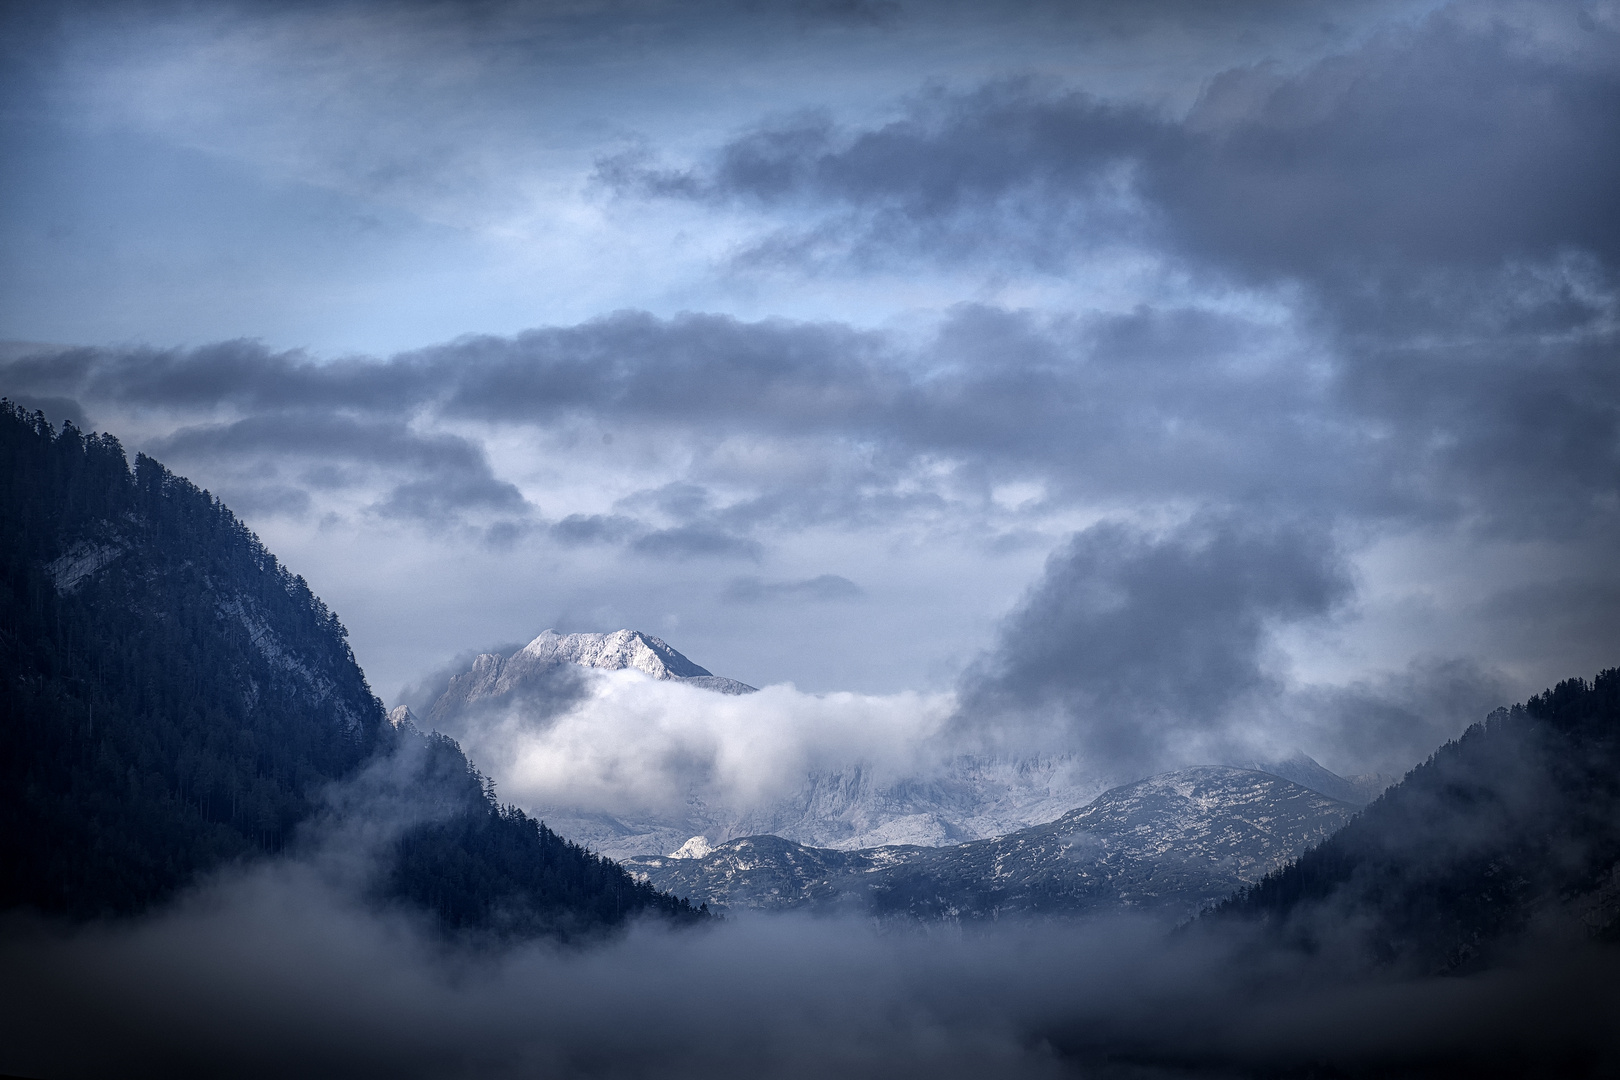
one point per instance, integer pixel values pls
(633, 744)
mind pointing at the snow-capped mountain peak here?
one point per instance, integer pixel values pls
(695, 848)
(494, 676)
(615, 652)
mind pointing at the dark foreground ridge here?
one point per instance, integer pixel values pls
(484, 868)
(1515, 824)
(172, 699)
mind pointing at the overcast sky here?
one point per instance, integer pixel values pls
(1130, 371)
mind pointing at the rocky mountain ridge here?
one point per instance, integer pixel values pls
(1171, 844)
(493, 677)
(964, 799)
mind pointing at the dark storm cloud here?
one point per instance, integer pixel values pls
(1147, 646)
(1384, 725)
(1008, 169)
(822, 588)
(1443, 189)
(1093, 399)
(448, 474)
(1150, 401)
(276, 500)
(1517, 430)
(580, 529)
(877, 13)
(243, 374)
(58, 409)
(1514, 427)
(799, 374)
(1461, 142)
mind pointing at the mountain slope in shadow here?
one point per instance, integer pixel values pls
(173, 700)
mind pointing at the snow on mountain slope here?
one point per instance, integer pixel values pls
(1305, 771)
(856, 807)
(1170, 844)
(495, 676)
(963, 799)
(616, 651)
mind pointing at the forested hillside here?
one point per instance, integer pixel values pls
(172, 698)
(484, 867)
(1517, 819)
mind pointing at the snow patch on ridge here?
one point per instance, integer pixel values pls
(623, 650)
(695, 848)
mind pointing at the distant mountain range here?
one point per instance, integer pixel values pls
(1171, 844)
(966, 798)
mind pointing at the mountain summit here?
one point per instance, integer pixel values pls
(494, 676)
(625, 649)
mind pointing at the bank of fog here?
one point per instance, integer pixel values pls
(281, 970)
(619, 742)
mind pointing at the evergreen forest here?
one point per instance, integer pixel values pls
(1518, 817)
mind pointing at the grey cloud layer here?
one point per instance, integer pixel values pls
(1148, 405)
(823, 587)
(1464, 140)
(448, 473)
(1396, 312)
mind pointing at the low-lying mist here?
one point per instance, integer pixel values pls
(280, 969)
